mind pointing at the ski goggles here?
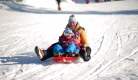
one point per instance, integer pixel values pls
(68, 34)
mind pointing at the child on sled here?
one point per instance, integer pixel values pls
(68, 45)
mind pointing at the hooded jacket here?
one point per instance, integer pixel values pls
(64, 42)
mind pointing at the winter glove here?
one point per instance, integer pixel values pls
(77, 51)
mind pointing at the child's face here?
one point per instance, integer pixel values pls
(68, 37)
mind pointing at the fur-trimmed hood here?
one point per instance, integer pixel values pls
(76, 28)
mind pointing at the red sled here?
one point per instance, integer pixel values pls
(65, 59)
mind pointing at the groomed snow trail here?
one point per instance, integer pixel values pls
(112, 34)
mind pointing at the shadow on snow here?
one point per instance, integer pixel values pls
(27, 9)
(29, 58)
(25, 58)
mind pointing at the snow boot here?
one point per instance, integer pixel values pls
(39, 52)
(87, 1)
(71, 54)
(59, 54)
(65, 54)
(97, 1)
(87, 53)
(59, 8)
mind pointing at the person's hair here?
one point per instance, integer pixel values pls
(72, 15)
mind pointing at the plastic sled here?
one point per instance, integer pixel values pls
(65, 59)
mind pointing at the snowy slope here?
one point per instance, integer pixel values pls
(111, 28)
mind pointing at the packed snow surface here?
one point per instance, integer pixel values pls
(111, 29)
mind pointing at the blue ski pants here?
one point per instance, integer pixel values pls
(57, 48)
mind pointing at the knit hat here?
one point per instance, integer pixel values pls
(72, 18)
(68, 32)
